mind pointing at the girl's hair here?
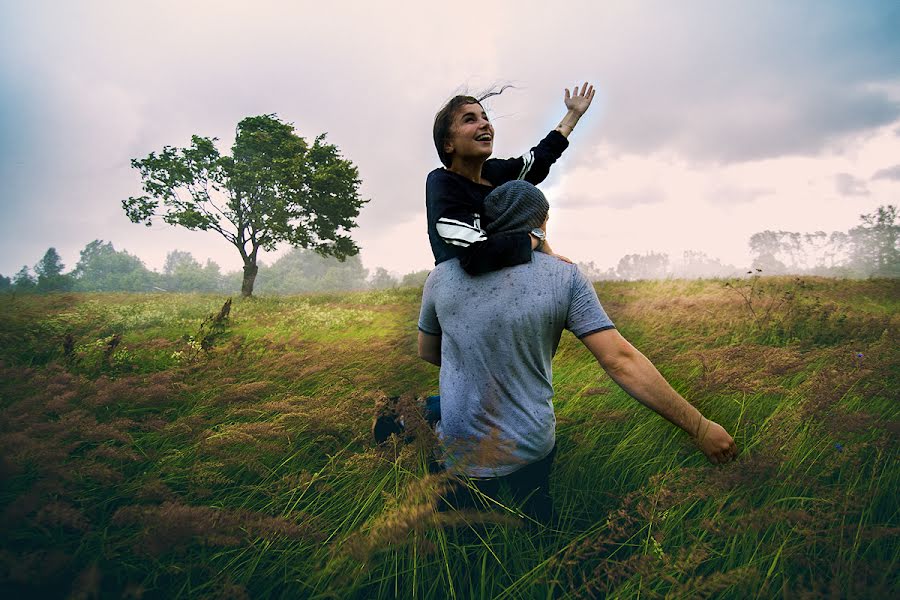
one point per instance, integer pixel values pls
(443, 120)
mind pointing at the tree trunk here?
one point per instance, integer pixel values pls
(249, 278)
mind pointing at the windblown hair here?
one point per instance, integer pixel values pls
(443, 120)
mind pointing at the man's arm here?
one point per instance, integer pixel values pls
(636, 375)
(430, 348)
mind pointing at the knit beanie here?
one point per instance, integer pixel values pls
(515, 206)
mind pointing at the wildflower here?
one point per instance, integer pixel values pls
(859, 355)
(839, 446)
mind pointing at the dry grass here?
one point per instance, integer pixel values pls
(248, 472)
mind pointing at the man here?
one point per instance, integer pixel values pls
(494, 335)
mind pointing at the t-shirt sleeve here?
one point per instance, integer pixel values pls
(586, 315)
(428, 320)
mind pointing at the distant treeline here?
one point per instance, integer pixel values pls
(871, 249)
(102, 268)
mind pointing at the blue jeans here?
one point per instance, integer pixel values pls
(433, 410)
(530, 484)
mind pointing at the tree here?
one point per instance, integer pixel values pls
(302, 270)
(595, 273)
(102, 268)
(50, 277)
(182, 273)
(5, 283)
(875, 244)
(382, 279)
(415, 279)
(766, 247)
(696, 264)
(653, 265)
(274, 188)
(24, 281)
(835, 253)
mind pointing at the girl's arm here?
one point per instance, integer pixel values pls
(534, 166)
(454, 229)
(496, 252)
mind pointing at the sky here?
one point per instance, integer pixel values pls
(713, 120)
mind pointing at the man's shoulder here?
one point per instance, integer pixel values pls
(556, 272)
(549, 263)
(444, 269)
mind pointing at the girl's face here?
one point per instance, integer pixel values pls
(471, 134)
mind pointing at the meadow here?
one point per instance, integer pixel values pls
(151, 450)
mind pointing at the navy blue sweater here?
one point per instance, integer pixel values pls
(454, 205)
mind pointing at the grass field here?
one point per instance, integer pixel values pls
(149, 452)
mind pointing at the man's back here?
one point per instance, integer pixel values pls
(499, 333)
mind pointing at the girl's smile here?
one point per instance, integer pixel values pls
(472, 135)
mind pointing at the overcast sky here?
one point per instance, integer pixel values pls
(713, 120)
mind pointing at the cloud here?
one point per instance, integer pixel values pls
(848, 185)
(713, 208)
(719, 82)
(730, 194)
(620, 200)
(892, 173)
(84, 87)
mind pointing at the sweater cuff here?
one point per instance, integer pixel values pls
(557, 141)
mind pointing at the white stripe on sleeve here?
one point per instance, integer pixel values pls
(528, 159)
(459, 233)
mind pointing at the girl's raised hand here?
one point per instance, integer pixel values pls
(579, 100)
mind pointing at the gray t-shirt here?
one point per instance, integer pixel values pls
(499, 332)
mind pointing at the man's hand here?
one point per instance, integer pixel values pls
(643, 382)
(561, 257)
(579, 101)
(546, 249)
(712, 439)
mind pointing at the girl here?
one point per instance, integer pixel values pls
(454, 194)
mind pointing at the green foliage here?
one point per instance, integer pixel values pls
(415, 279)
(274, 188)
(876, 243)
(104, 356)
(24, 281)
(210, 332)
(871, 249)
(653, 265)
(182, 273)
(786, 310)
(102, 268)
(300, 271)
(50, 277)
(382, 279)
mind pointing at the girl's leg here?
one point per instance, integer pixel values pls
(433, 410)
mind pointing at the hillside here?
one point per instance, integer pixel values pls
(151, 451)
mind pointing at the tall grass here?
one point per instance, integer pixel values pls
(154, 468)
